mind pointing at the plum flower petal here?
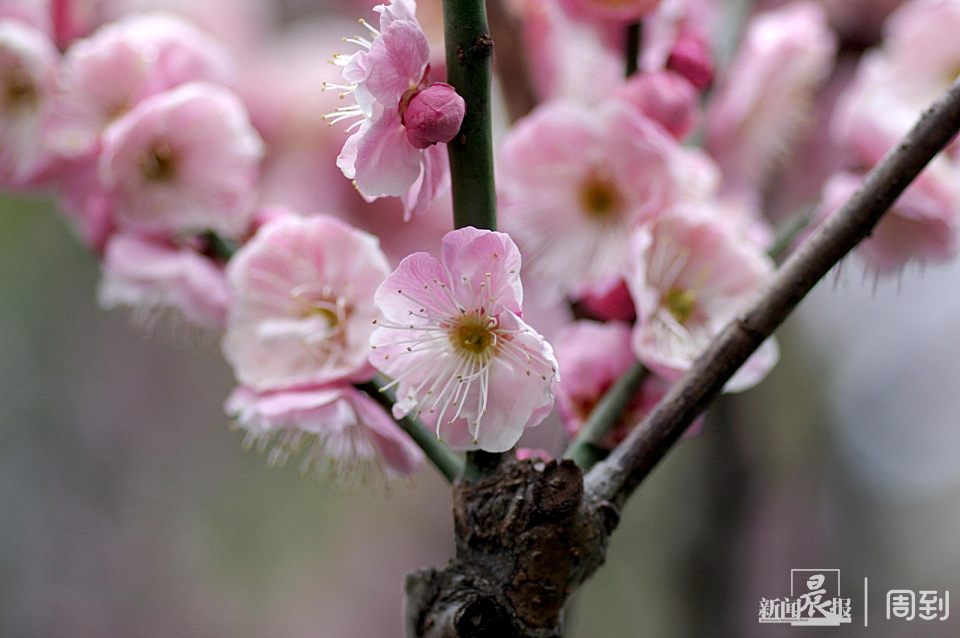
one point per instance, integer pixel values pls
(574, 181)
(183, 160)
(922, 227)
(301, 309)
(692, 275)
(339, 431)
(453, 341)
(152, 276)
(767, 94)
(107, 74)
(386, 163)
(28, 67)
(383, 156)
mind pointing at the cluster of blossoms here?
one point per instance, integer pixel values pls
(181, 158)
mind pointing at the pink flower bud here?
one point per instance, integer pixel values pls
(665, 97)
(433, 115)
(690, 58)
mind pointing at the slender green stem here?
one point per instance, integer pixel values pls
(439, 454)
(789, 230)
(468, 47)
(604, 417)
(632, 52)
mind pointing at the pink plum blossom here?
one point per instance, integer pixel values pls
(153, 276)
(106, 75)
(922, 226)
(766, 95)
(301, 309)
(923, 50)
(28, 66)
(573, 180)
(384, 76)
(568, 58)
(691, 275)
(339, 431)
(453, 341)
(183, 160)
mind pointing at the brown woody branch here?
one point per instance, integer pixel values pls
(617, 477)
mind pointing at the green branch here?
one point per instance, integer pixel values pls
(439, 454)
(632, 52)
(605, 415)
(469, 47)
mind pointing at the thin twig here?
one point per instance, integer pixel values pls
(468, 49)
(631, 61)
(439, 454)
(615, 478)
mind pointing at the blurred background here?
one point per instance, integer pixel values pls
(128, 508)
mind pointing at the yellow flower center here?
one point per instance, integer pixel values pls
(158, 163)
(681, 304)
(600, 197)
(20, 93)
(474, 337)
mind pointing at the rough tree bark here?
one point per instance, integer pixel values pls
(526, 536)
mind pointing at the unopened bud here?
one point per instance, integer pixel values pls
(433, 115)
(690, 58)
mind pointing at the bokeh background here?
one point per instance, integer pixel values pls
(129, 509)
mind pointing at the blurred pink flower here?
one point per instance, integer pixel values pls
(923, 50)
(183, 160)
(609, 10)
(569, 59)
(608, 301)
(690, 276)
(28, 67)
(341, 432)
(153, 276)
(593, 356)
(574, 179)
(109, 73)
(665, 97)
(384, 76)
(533, 453)
(454, 343)
(83, 199)
(767, 93)
(922, 226)
(301, 308)
(31, 13)
(691, 58)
